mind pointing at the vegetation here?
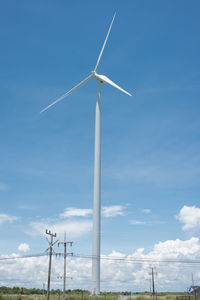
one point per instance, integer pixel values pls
(72, 296)
(20, 293)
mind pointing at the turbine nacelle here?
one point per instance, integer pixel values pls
(100, 80)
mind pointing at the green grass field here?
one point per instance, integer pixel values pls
(55, 297)
(106, 296)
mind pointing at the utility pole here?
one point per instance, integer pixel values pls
(51, 243)
(43, 289)
(192, 279)
(67, 277)
(150, 285)
(153, 285)
(65, 255)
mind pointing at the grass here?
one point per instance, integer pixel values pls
(85, 296)
(54, 297)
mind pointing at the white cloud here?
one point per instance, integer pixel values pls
(177, 248)
(6, 218)
(190, 217)
(116, 275)
(146, 211)
(112, 211)
(76, 212)
(73, 229)
(107, 211)
(137, 222)
(23, 247)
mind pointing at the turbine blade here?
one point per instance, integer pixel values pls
(104, 44)
(69, 92)
(107, 80)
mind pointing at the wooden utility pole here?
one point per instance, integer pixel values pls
(65, 255)
(51, 243)
(150, 286)
(43, 292)
(192, 279)
(153, 285)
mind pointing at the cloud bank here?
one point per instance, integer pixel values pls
(132, 273)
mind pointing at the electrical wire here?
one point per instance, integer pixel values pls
(113, 258)
(139, 260)
(23, 256)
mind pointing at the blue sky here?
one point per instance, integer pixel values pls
(150, 141)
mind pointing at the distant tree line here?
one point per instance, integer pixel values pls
(33, 291)
(20, 290)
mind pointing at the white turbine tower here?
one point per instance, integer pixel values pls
(100, 79)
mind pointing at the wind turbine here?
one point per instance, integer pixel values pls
(100, 79)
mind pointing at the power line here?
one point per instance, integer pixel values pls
(24, 256)
(113, 258)
(141, 260)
